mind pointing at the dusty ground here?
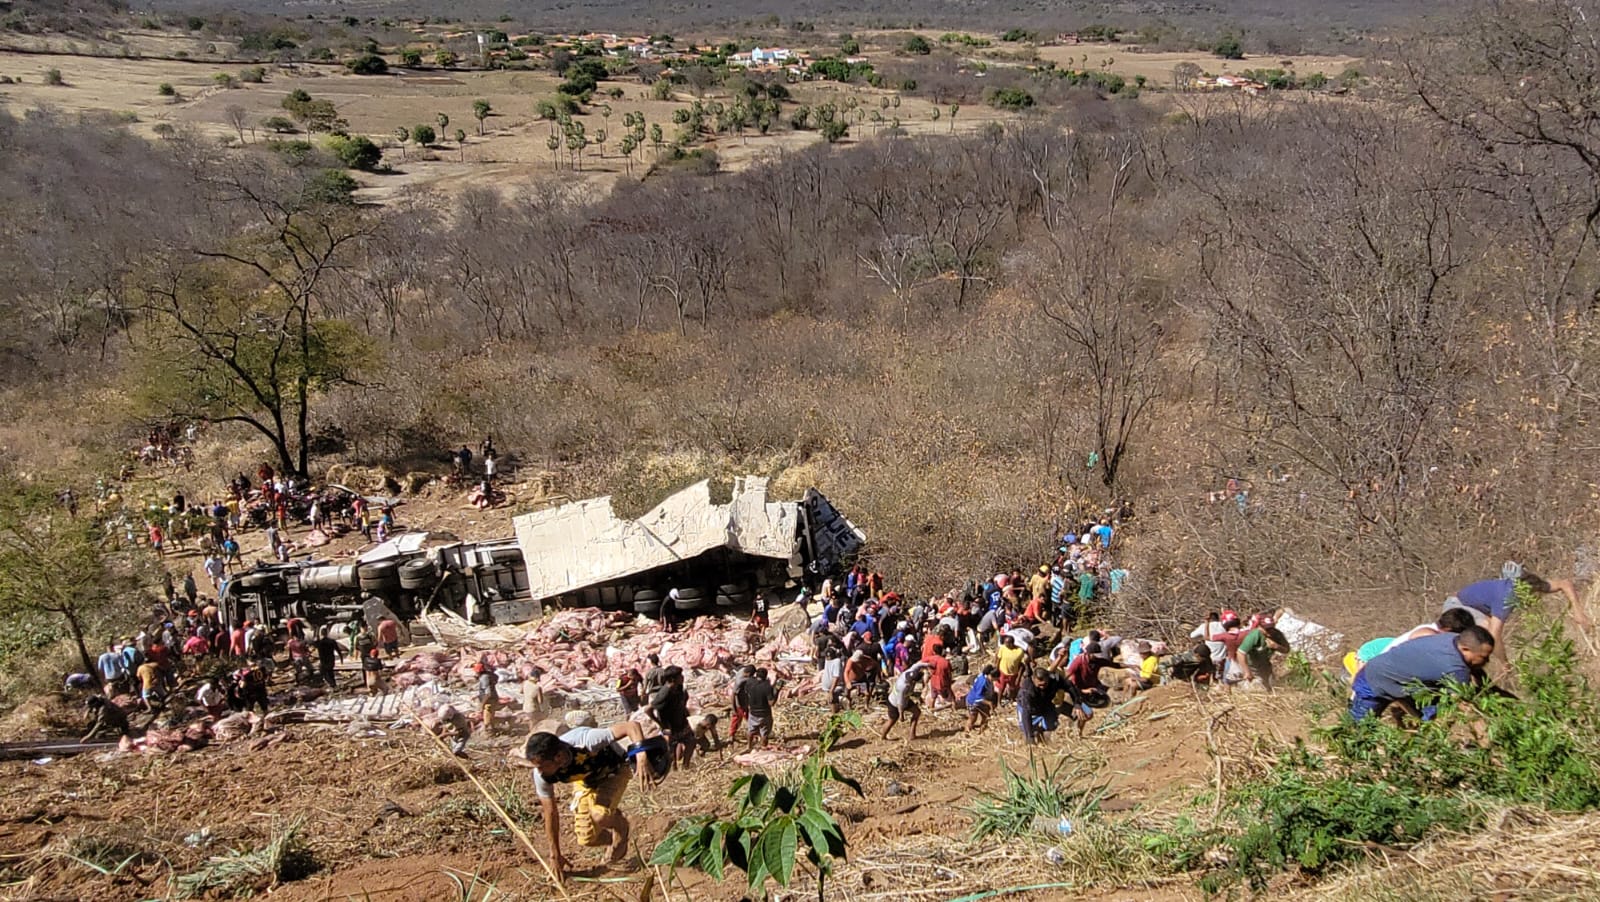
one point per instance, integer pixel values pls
(154, 809)
(68, 821)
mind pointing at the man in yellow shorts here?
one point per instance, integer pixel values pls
(597, 759)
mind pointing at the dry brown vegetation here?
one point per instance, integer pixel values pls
(1372, 313)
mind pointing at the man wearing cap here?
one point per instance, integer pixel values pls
(456, 725)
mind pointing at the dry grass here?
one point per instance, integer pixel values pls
(1522, 854)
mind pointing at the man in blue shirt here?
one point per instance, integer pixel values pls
(113, 669)
(1491, 602)
(1393, 677)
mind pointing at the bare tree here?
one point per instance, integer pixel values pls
(1109, 323)
(238, 119)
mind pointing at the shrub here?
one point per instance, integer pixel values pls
(367, 64)
(1010, 99)
(253, 75)
(423, 135)
(1228, 47)
(834, 130)
(1381, 784)
(357, 153)
(410, 58)
(281, 125)
(330, 186)
(917, 44)
(224, 80)
(166, 90)
(53, 77)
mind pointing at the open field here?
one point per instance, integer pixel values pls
(511, 153)
(1129, 61)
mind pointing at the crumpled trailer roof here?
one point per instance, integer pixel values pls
(585, 543)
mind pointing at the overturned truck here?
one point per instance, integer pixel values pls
(717, 555)
(404, 575)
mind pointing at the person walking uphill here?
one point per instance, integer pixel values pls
(597, 760)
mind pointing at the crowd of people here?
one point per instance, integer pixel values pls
(1011, 641)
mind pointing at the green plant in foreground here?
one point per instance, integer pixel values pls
(771, 822)
(1379, 785)
(1046, 790)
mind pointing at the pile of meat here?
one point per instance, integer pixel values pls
(187, 738)
(587, 648)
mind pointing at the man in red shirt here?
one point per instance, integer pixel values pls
(939, 688)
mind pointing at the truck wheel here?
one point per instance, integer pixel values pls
(736, 600)
(647, 608)
(418, 575)
(694, 603)
(381, 576)
(646, 596)
(693, 593)
(732, 589)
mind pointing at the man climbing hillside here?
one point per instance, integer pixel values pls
(597, 760)
(1399, 676)
(1491, 602)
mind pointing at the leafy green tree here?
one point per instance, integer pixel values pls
(52, 564)
(773, 824)
(367, 64)
(918, 45)
(237, 329)
(357, 152)
(410, 58)
(1010, 99)
(423, 135)
(834, 130)
(445, 59)
(480, 112)
(1228, 47)
(849, 46)
(442, 120)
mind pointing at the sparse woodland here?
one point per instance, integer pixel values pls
(1376, 312)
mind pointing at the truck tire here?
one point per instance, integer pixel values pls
(418, 575)
(379, 576)
(693, 603)
(258, 580)
(732, 589)
(646, 596)
(736, 600)
(694, 593)
(646, 608)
